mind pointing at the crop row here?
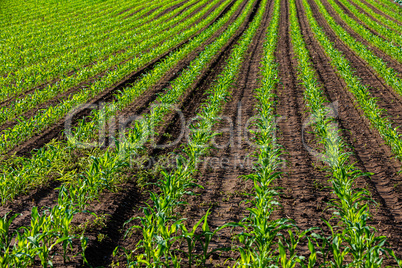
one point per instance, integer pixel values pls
(96, 30)
(145, 128)
(160, 227)
(388, 7)
(393, 13)
(389, 75)
(262, 244)
(104, 169)
(47, 117)
(79, 36)
(75, 12)
(78, 28)
(384, 45)
(351, 237)
(368, 104)
(35, 12)
(102, 172)
(98, 49)
(389, 23)
(388, 33)
(32, 100)
(30, 170)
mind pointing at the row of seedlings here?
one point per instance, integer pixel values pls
(28, 127)
(53, 227)
(57, 157)
(262, 239)
(35, 44)
(160, 226)
(353, 242)
(368, 104)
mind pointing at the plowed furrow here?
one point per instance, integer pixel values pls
(365, 13)
(49, 194)
(353, 16)
(46, 196)
(369, 152)
(392, 63)
(303, 196)
(188, 106)
(55, 132)
(64, 95)
(380, 12)
(387, 98)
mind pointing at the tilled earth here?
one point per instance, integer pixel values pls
(304, 183)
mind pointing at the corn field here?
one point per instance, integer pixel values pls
(195, 133)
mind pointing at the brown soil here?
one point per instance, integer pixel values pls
(70, 73)
(304, 196)
(65, 95)
(139, 107)
(142, 104)
(46, 195)
(351, 15)
(380, 12)
(41, 86)
(392, 63)
(188, 106)
(370, 16)
(118, 211)
(40, 197)
(387, 98)
(106, 96)
(146, 99)
(220, 173)
(369, 151)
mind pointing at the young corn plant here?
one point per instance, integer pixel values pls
(352, 237)
(263, 244)
(387, 33)
(392, 25)
(74, 34)
(46, 231)
(6, 236)
(387, 8)
(101, 168)
(99, 173)
(45, 118)
(32, 100)
(115, 40)
(367, 103)
(377, 64)
(160, 226)
(85, 133)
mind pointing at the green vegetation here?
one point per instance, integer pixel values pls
(351, 237)
(368, 104)
(153, 57)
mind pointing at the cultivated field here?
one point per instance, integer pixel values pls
(201, 133)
